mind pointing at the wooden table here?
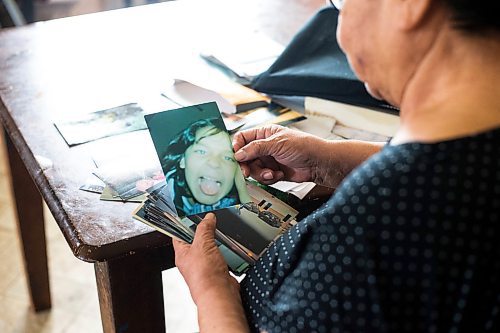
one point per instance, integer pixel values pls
(84, 64)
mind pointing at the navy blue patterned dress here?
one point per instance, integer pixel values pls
(410, 242)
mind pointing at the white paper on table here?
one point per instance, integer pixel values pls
(299, 190)
(246, 55)
(303, 190)
(318, 125)
(185, 93)
(357, 134)
(300, 187)
(285, 186)
(354, 116)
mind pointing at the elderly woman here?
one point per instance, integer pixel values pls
(409, 241)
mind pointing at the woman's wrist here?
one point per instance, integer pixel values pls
(203, 288)
(322, 165)
(220, 309)
(337, 158)
(228, 293)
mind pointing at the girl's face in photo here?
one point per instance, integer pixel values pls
(209, 166)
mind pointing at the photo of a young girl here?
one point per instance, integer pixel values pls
(198, 162)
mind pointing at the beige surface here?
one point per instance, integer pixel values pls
(75, 306)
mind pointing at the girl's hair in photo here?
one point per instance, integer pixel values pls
(174, 153)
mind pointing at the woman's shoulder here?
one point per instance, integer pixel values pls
(479, 151)
(484, 142)
(412, 178)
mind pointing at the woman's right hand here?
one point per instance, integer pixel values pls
(273, 153)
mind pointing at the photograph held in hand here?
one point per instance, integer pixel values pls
(197, 159)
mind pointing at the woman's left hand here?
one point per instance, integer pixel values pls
(215, 292)
(201, 263)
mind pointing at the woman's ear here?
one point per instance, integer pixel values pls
(412, 13)
(182, 163)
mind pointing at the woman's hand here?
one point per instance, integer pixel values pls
(201, 263)
(273, 153)
(215, 292)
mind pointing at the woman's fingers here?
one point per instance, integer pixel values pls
(264, 174)
(181, 250)
(205, 234)
(256, 149)
(244, 138)
(274, 176)
(245, 169)
(205, 231)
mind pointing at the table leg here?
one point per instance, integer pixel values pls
(30, 225)
(131, 291)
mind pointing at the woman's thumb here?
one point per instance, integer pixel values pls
(205, 231)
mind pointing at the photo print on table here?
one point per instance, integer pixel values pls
(197, 158)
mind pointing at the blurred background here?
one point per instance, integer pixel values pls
(75, 306)
(41, 10)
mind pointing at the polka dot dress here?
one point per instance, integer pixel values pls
(410, 242)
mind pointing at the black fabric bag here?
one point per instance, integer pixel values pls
(313, 65)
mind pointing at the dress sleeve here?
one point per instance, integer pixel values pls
(316, 278)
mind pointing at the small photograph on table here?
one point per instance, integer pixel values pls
(100, 124)
(127, 165)
(127, 181)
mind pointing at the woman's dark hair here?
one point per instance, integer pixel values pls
(175, 150)
(475, 16)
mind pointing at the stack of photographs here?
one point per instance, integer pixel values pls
(244, 232)
(125, 182)
(201, 175)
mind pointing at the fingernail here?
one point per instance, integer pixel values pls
(267, 175)
(240, 155)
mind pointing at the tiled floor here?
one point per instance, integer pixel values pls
(75, 306)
